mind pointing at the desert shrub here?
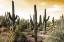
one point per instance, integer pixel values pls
(40, 28)
(23, 24)
(56, 35)
(30, 32)
(19, 37)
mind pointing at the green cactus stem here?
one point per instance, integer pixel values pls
(53, 21)
(45, 21)
(35, 22)
(40, 21)
(13, 17)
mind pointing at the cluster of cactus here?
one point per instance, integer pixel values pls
(45, 21)
(34, 23)
(11, 20)
(7, 19)
(53, 21)
(13, 17)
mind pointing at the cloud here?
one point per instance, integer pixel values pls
(43, 3)
(55, 8)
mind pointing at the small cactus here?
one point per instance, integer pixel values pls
(53, 21)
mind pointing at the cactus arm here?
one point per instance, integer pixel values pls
(16, 17)
(40, 21)
(31, 22)
(53, 21)
(38, 25)
(48, 18)
(43, 19)
(10, 16)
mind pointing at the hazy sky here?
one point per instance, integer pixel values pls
(25, 8)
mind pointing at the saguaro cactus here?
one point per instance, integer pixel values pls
(62, 21)
(44, 21)
(13, 18)
(53, 21)
(35, 22)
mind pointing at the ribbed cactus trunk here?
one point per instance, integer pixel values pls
(35, 23)
(13, 14)
(13, 8)
(53, 21)
(40, 20)
(45, 21)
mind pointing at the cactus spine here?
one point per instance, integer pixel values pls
(44, 21)
(53, 21)
(13, 18)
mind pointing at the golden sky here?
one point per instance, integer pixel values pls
(25, 8)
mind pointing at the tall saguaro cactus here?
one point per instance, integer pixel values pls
(35, 22)
(13, 18)
(45, 21)
(53, 21)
